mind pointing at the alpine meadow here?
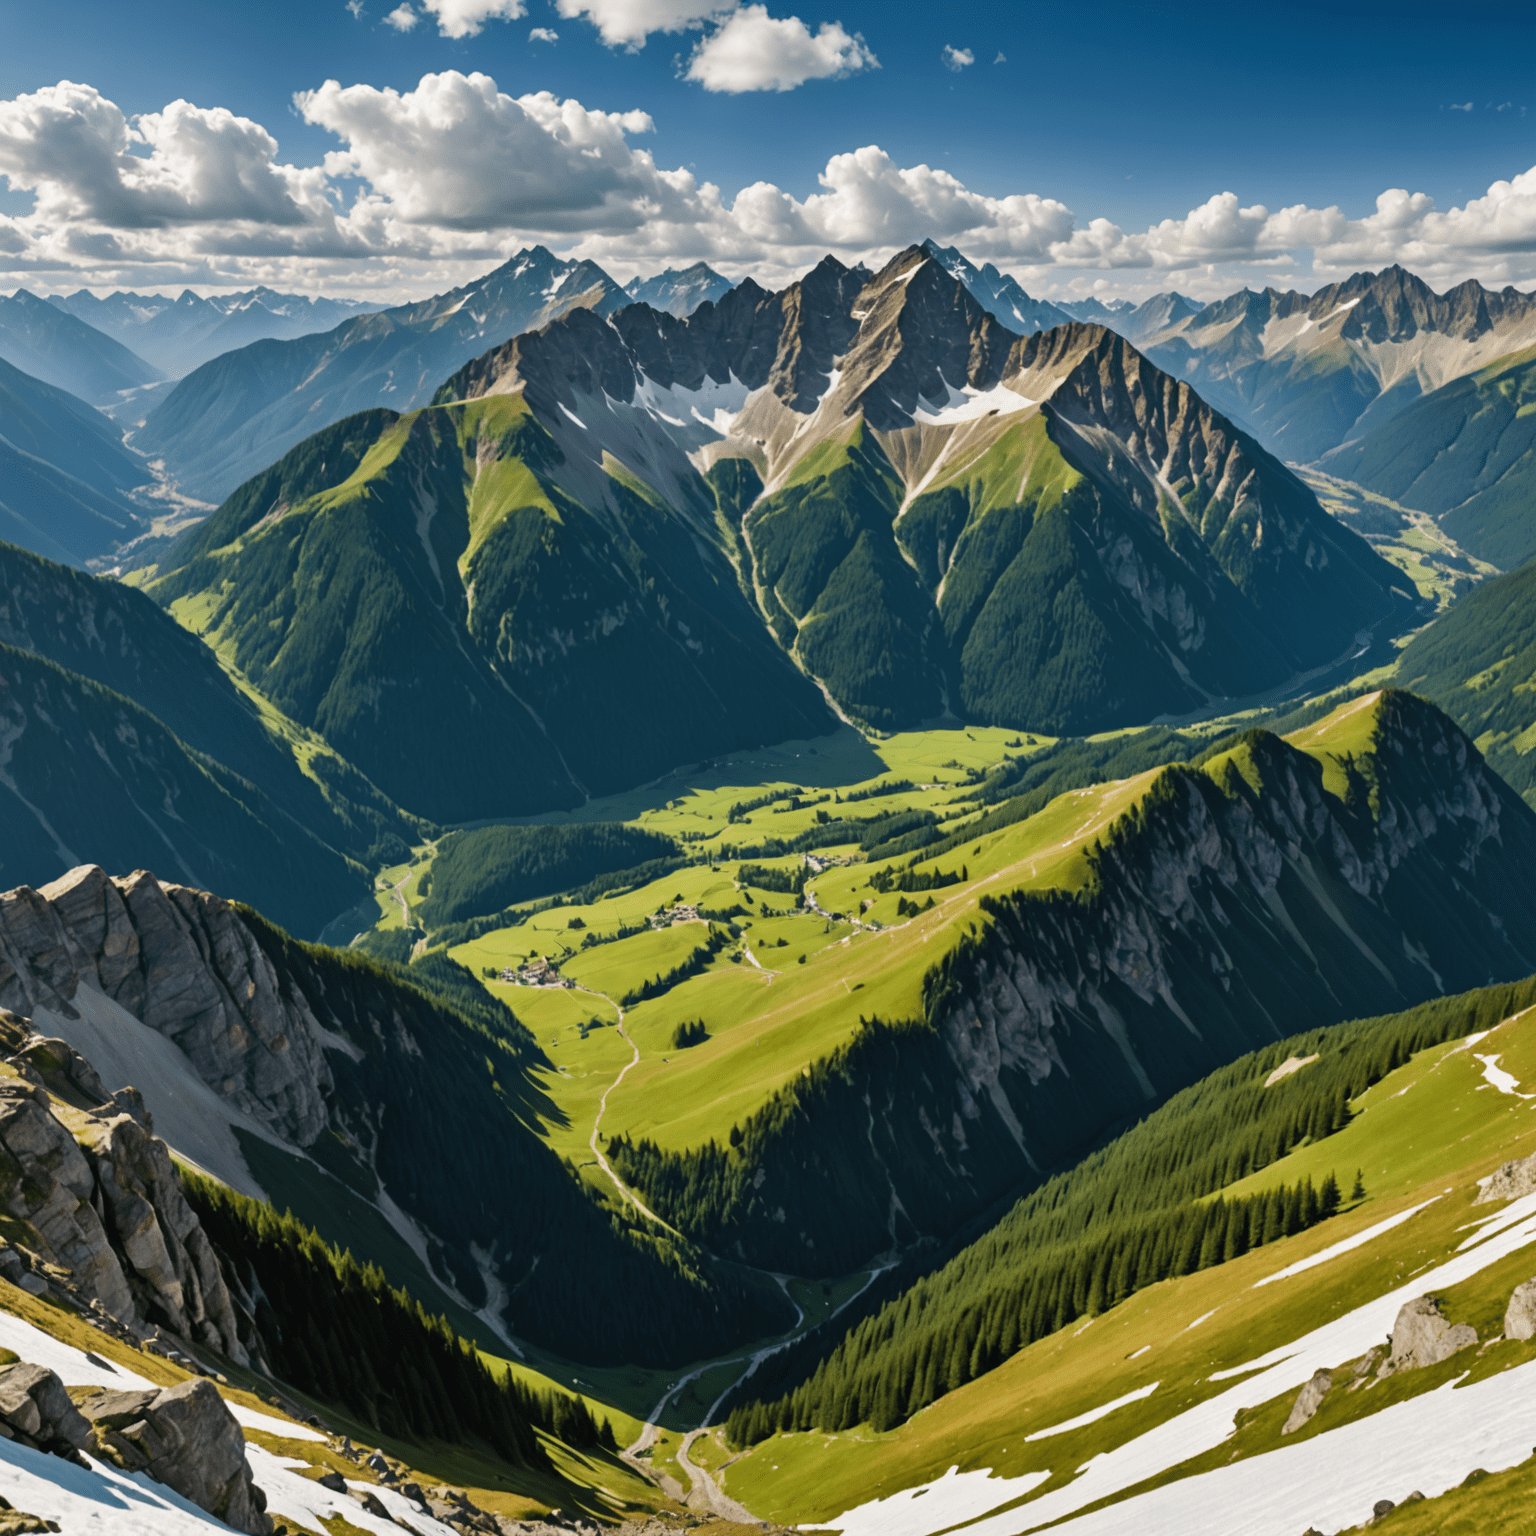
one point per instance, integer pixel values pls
(767, 769)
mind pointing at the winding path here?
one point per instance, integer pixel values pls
(602, 1108)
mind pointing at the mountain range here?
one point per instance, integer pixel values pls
(177, 335)
(616, 519)
(893, 873)
(57, 348)
(65, 473)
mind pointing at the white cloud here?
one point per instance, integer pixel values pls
(627, 23)
(753, 51)
(86, 163)
(428, 185)
(1002, 58)
(957, 58)
(356, 8)
(402, 18)
(1461, 106)
(464, 18)
(543, 35)
(458, 154)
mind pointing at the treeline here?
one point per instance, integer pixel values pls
(766, 877)
(584, 895)
(1083, 1280)
(692, 966)
(474, 873)
(1135, 1211)
(909, 880)
(335, 1330)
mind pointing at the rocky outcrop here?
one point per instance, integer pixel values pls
(1421, 1336)
(1308, 1401)
(181, 961)
(1509, 1182)
(100, 1194)
(37, 1412)
(1520, 1315)
(185, 1437)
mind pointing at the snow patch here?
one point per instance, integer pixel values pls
(714, 404)
(286, 1429)
(1359, 1240)
(302, 1501)
(99, 1500)
(573, 416)
(949, 1500)
(971, 405)
(75, 1368)
(1095, 1414)
(1430, 1442)
(1501, 1079)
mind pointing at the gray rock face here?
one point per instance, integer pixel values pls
(37, 1411)
(1520, 1315)
(1421, 1336)
(185, 1437)
(182, 962)
(103, 1199)
(1308, 1401)
(1509, 1182)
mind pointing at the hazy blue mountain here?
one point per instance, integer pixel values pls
(678, 291)
(65, 473)
(998, 294)
(68, 352)
(177, 335)
(1466, 453)
(233, 416)
(1308, 373)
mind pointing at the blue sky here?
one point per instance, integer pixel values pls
(1132, 116)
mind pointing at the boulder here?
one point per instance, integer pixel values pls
(1520, 1315)
(1509, 1182)
(1421, 1336)
(37, 1411)
(1308, 1401)
(185, 1437)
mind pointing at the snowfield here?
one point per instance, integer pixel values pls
(1332, 1480)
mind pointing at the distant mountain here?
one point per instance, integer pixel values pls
(678, 292)
(64, 473)
(1000, 295)
(1095, 312)
(1308, 373)
(933, 513)
(232, 417)
(612, 521)
(178, 335)
(68, 352)
(1465, 453)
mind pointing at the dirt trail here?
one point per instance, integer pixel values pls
(597, 1152)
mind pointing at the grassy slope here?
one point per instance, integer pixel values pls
(1429, 1130)
(768, 1025)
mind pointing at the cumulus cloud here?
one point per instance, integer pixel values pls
(426, 186)
(464, 18)
(753, 51)
(957, 58)
(627, 23)
(543, 35)
(85, 162)
(457, 153)
(402, 18)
